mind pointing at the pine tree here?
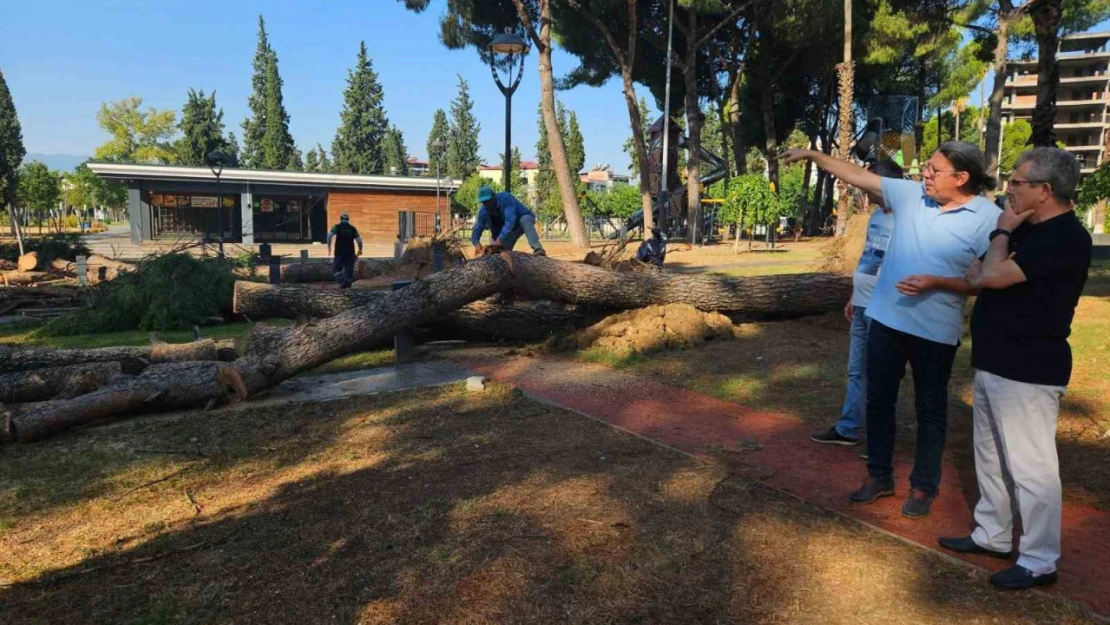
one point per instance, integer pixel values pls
(576, 145)
(232, 148)
(254, 126)
(326, 165)
(359, 145)
(437, 162)
(462, 142)
(296, 162)
(202, 129)
(311, 161)
(278, 150)
(397, 156)
(11, 146)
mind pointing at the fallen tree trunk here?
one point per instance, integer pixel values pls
(24, 278)
(132, 359)
(28, 261)
(157, 389)
(57, 382)
(97, 268)
(528, 321)
(321, 271)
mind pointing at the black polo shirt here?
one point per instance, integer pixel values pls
(1021, 332)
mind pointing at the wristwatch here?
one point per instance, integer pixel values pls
(999, 232)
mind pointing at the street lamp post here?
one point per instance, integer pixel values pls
(438, 146)
(510, 45)
(217, 160)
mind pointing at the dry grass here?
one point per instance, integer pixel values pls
(439, 506)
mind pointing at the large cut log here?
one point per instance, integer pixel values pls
(157, 389)
(57, 382)
(524, 321)
(28, 261)
(97, 268)
(132, 359)
(321, 271)
(23, 278)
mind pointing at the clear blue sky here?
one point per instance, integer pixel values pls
(63, 58)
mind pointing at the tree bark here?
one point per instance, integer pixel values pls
(1046, 16)
(132, 359)
(568, 184)
(739, 149)
(482, 320)
(847, 90)
(24, 278)
(693, 128)
(321, 271)
(159, 388)
(59, 382)
(998, 90)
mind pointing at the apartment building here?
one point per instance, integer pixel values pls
(1081, 100)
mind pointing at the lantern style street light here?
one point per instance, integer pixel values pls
(217, 160)
(504, 50)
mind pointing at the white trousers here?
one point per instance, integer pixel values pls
(1016, 463)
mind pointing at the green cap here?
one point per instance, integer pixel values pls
(485, 194)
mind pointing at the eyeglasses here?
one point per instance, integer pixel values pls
(929, 170)
(1017, 183)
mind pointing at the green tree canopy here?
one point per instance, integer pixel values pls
(396, 154)
(254, 126)
(437, 157)
(11, 145)
(462, 141)
(1015, 140)
(278, 149)
(360, 143)
(576, 144)
(202, 130)
(39, 187)
(137, 136)
(465, 200)
(622, 201)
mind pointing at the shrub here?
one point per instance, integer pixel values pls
(167, 292)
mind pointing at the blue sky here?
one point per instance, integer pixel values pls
(62, 59)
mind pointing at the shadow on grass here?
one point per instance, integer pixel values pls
(498, 509)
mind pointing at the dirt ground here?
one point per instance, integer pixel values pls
(798, 368)
(440, 506)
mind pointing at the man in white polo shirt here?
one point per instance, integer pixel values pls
(916, 311)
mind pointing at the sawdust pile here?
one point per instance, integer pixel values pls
(650, 329)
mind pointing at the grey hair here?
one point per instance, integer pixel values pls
(1057, 167)
(968, 157)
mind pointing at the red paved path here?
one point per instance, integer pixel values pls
(820, 474)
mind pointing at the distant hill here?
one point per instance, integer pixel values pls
(57, 162)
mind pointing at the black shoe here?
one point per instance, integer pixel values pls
(872, 490)
(1019, 578)
(918, 504)
(539, 252)
(833, 437)
(964, 544)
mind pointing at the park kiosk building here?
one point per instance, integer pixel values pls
(269, 206)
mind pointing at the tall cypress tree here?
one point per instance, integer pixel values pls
(202, 129)
(326, 165)
(462, 143)
(359, 145)
(11, 146)
(576, 145)
(548, 201)
(278, 150)
(437, 158)
(232, 147)
(396, 155)
(311, 161)
(254, 126)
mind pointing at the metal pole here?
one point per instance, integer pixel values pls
(220, 213)
(663, 199)
(508, 140)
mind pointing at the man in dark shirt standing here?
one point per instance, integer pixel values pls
(343, 264)
(1031, 278)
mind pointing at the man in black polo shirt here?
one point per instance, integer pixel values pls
(345, 236)
(1031, 278)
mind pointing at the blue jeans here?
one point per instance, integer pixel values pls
(343, 267)
(855, 401)
(888, 351)
(526, 225)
